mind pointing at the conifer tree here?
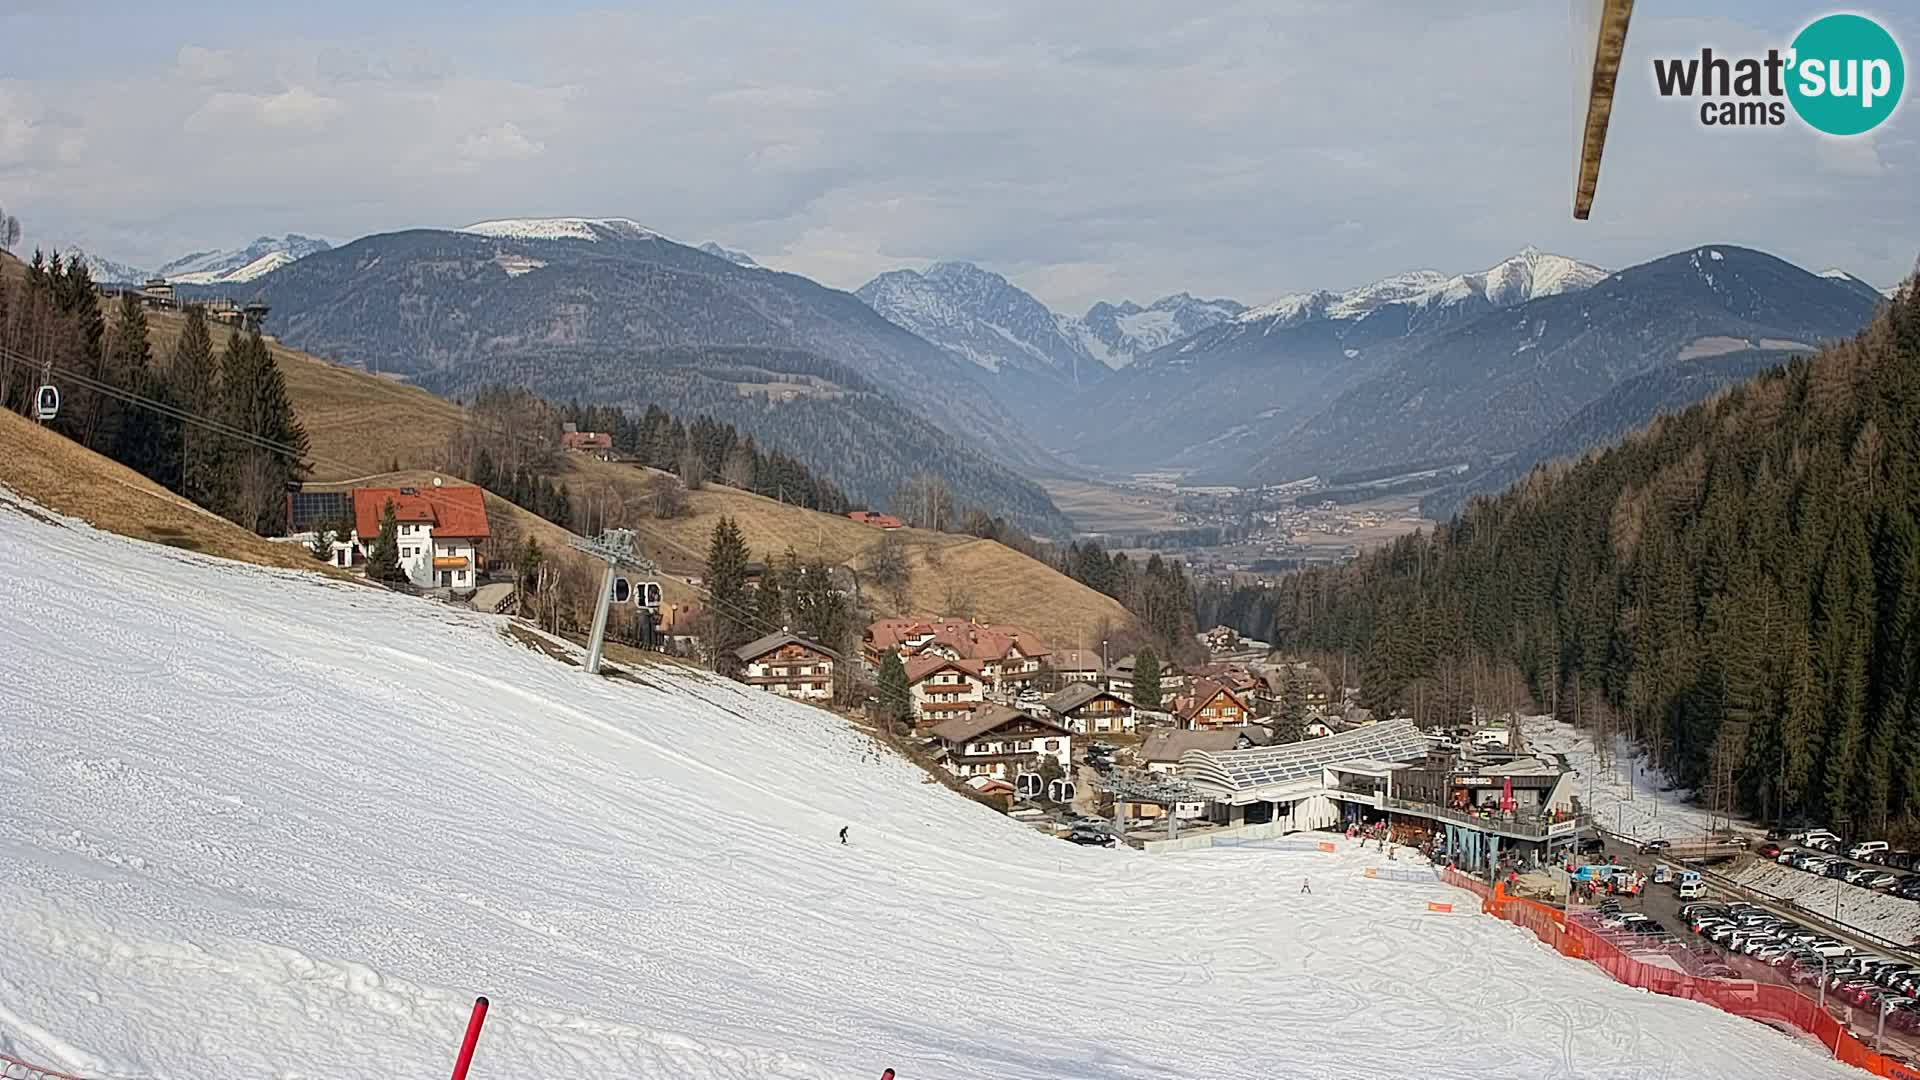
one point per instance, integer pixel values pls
(144, 437)
(383, 556)
(896, 702)
(1290, 722)
(728, 596)
(1146, 680)
(770, 599)
(254, 400)
(193, 380)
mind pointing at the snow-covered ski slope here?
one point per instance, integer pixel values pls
(253, 824)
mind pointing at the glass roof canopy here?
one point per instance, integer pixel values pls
(1234, 771)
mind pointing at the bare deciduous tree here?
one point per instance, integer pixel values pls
(668, 496)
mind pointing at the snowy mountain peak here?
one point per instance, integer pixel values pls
(591, 230)
(1528, 275)
(737, 258)
(1118, 334)
(106, 271)
(980, 315)
(232, 266)
(236, 265)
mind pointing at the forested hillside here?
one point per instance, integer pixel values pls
(802, 404)
(1737, 587)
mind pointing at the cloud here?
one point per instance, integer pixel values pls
(197, 64)
(295, 109)
(1091, 149)
(502, 142)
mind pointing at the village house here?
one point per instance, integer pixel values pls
(575, 441)
(1221, 639)
(1160, 755)
(1212, 705)
(1085, 709)
(1273, 680)
(1009, 657)
(1078, 666)
(876, 520)
(944, 689)
(1120, 677)
(1003, 743)
(438, 531)
(788, 665)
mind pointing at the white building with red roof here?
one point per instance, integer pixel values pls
(1009, 656)
(438, 530)
(944, 689)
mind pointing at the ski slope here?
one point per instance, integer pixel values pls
(1628, 795)
(257, 824)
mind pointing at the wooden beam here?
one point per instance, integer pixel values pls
(1606, 72)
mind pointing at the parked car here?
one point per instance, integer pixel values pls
(1089, 838)
(1830, 948)
(1815, 836)
(1866, 848)
(1878, 879)
(1768, 850)
(1652, 846)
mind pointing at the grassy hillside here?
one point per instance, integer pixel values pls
(62, 475)
(359, 424)
(362, 423)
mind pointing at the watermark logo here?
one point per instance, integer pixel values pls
(1842, 75)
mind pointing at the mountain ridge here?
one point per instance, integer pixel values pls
(530, 298)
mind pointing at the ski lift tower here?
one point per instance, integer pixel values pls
(1167, 791)
(616, 548)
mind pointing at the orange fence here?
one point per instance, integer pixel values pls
(1765, 1002)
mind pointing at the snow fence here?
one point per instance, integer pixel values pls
(1765, 1002)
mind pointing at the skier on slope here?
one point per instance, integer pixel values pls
(843, 834)
(1306, 887)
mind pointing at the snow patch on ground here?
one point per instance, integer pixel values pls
(589, 229)
(265, 824)
(516, 265)
(1628, 796)
(1886, 916)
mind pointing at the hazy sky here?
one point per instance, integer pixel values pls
(1088, 150)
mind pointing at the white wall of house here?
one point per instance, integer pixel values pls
(810, 679)
(946, 687)
(418, 549)
(1053, 744)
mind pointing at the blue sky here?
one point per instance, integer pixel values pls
(1088, 150)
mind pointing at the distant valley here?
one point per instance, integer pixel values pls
(1435, 385)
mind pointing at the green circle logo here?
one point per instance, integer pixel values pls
(1847, 75)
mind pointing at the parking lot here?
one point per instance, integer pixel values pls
(1680, 948)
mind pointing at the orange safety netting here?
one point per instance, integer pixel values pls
(1765, 1002)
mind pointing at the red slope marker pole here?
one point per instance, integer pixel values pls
(473, 1036)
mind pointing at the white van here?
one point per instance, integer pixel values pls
(1691, 890)
(1866, 848)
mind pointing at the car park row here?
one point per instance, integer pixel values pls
(1808, 958)
(1818, 856)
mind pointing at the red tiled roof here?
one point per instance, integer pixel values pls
(452, 511)
(920, 667)
(586, 440)
(972, 641)
(877, 520)
(1204, 692)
